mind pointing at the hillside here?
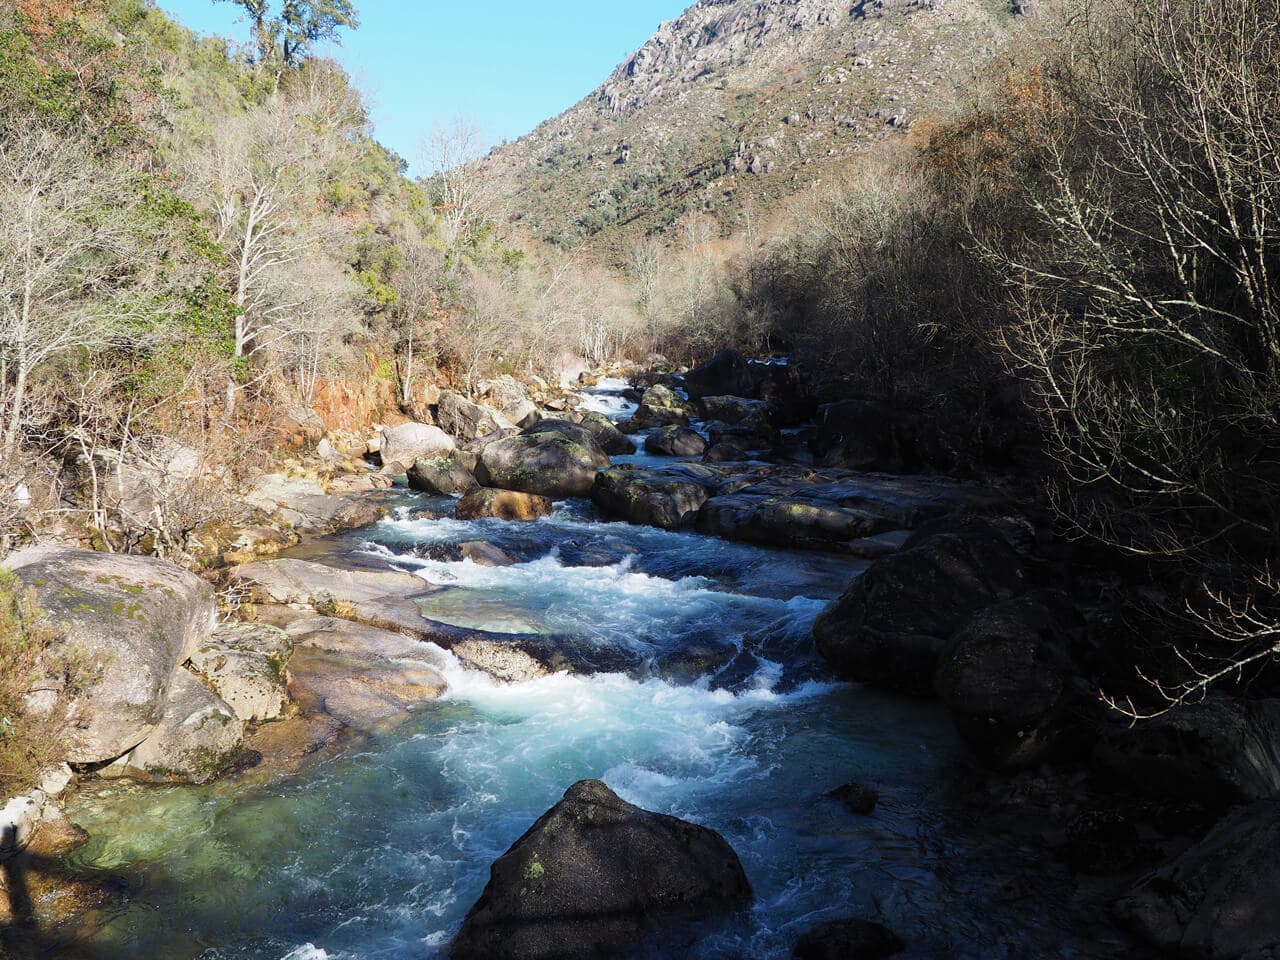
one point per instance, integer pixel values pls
(735, 105)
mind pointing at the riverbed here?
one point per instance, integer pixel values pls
(377, 853)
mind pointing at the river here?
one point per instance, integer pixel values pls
(378, 853)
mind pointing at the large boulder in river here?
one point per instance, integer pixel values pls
(545, 464)
(890, 626)
(198, 738)
(409, 441)
(657, 498)
(1009, 679)
(659, 407)
(134, 621)
(1220, 752)
(1217, 900)
(675, 441)
(502, 504)
(441, 475)
(593, 876)
(611, 440)
(461, 418)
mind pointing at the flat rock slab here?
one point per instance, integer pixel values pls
(303, 581)
(305, 504)
(864, 515)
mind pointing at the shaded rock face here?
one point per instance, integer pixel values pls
(675, 441)
(135, 620)
(848, 940)
(503, 504)
(198, 737)
(862, 435)
(593, 876)
(546, 464)
(245, 664)
(441, 475)
(726, 374)
(461, 418)
(1007, 676)
(890, 626)
(411, 441)
(641, 496)
(725, 451)
(1217, 900)
(1217, 753)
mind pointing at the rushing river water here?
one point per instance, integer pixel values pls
(380, 852)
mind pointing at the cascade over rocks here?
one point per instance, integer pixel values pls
(593, 876)
(545, 464)
(1217, 753)
(1217, 900)
(675, 441)
(411, 441)
(441, 475)
(1009, 679)
(134, 620)
(890, 626)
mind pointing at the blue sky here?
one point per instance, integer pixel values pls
(505, 64)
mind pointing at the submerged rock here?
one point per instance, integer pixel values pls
(545, 464)
(1009, 680)
(197, 740)
(848, 940)
(133, 621)
(860, 799)
(890, 626)
(675, 441)
(593, 876)
(502, 504)
(245, 664)
(1216, 900)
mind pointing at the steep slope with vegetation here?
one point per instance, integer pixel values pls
(734, 106)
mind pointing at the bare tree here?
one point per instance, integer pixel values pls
(67, 245)
(264, 167)
(464, 195)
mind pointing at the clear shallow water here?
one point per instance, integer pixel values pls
(378, 854)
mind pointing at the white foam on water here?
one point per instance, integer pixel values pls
(307, 951)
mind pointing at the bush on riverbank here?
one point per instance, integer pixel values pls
(27, 742)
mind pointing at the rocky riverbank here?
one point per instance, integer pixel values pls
(961, 596)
